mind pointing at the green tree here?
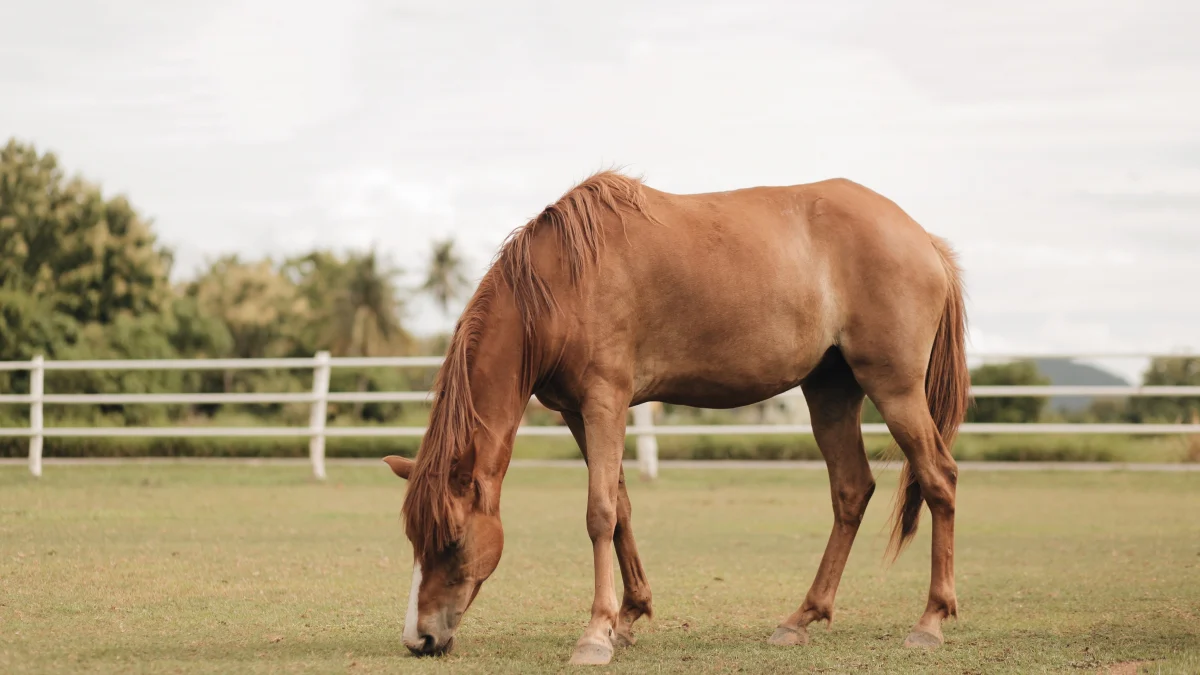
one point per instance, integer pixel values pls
(1107, 410)
(60, 239)
(366, 310)
(1007, 409)
(263, 313)
(1172, 371)
(31, 325)
(316, 275)
(357, 309)
(355, 303)
(81, 276)
(445, 278)
(260, 307)
(197, 333)
(147, 336)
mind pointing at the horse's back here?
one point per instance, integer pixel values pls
(810, 249)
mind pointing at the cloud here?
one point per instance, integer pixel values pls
(1054, 143)
(377, 194)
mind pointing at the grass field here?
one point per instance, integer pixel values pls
(227, 569)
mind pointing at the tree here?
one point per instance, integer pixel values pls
(147, 336)
(366, 310)
(69, 256)
(356, 306)
(1173, 371)
(366, 314)
(81, 276)
(354, 301)
(1107, 410)
(445, 279)
(197, 333)
(1007, 409)
(31, 325)
(262, 311)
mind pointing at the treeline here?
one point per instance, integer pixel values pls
(83, 276)
(1176, 371)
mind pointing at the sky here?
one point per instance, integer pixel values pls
(1055, 143)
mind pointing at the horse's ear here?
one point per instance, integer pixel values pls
(401, 466)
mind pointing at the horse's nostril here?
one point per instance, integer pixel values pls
(426, 643)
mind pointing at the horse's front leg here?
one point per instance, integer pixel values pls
(636, 602)
(604, 423)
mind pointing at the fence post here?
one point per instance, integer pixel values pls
(37, 387)
(316, 421)
(647, 442)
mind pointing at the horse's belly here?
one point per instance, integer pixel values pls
(706, 395)
(735, 376)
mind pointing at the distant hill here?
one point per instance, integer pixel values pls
(1068, 372)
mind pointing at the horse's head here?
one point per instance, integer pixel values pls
(448, 570)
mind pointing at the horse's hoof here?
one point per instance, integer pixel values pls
(591, 654)
(786, 636)
(923, 640)
(624, 639)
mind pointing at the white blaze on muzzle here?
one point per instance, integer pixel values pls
(410, 618)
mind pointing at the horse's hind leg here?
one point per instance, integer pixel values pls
(898, 391)
(834, 403)
(637, 598)
(936, 472)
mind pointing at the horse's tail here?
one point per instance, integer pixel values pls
(947, 390)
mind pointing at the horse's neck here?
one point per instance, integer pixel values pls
(500, 388)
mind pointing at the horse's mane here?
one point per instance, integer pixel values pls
(576, 221)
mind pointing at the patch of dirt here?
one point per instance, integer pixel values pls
(1124, 668)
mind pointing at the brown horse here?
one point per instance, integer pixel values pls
(618, 294)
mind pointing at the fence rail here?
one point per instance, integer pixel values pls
(643, 428)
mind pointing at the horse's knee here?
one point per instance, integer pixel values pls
(950, 470)
(939, 490)
(601, 519)
(850, 500)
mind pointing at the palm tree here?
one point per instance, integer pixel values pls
(445, 280)
(364, 319)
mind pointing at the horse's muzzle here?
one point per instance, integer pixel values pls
(428, 645)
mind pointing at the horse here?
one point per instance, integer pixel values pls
(619, 294)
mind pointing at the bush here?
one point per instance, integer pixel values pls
(765, 448)
(1003, 409)
(733, 447)
(1043, 450)
(210, 447)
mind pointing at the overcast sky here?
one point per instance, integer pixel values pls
(1055, 143)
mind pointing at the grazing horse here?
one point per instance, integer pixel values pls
(619, 294)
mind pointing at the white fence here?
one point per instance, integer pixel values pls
(643, 427)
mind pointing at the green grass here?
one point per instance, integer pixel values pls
(257, 569)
